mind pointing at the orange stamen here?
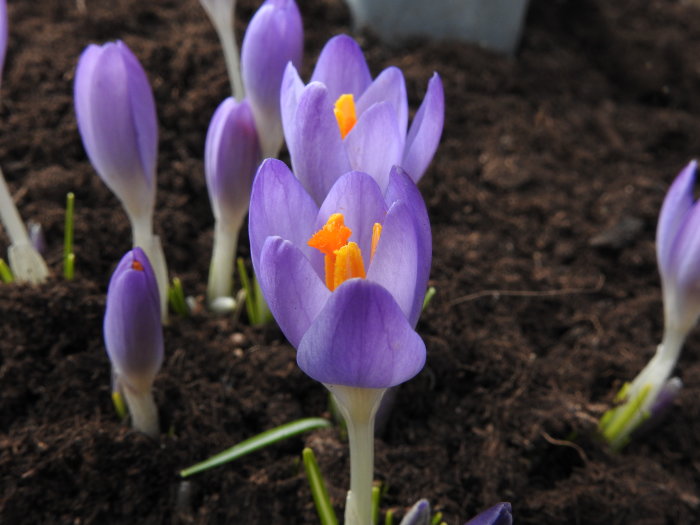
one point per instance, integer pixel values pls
(345, 114)
(376, 233)
(136, 265)
(333, 236)
(348, 264)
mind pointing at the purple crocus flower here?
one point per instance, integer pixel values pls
(134, 336)
(678, 253)
(274, 38)
(231, 157)
(116, 116)
(3, 34)
(343, 120)
(499, 514)
(345, 281)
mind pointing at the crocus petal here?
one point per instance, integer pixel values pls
(117, 122)
(3, 33)
(279, 205)
(389, 86)
(676, 206)
(685, 253)
(231, 156)
(357, 196)
(290, 92)
(342, 67)
(375, 144)
(426, 128)
(317, 150)
(293, 290)
(402, 188)
(499, 514)
(361, 339)
(419, 513)
(395, 262)
(132, 325)
(274, 37)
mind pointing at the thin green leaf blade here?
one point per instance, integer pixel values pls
(324, 508)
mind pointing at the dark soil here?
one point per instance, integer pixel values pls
(543, 198)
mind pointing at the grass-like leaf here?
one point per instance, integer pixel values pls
(257, 442)
(324, 508)
(176, 298)
(5, 273)
(68, 254)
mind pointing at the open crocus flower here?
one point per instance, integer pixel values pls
(134, 336)
(345, 281)
(343, 120)
(678, 253)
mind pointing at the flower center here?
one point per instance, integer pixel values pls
(345, 114)
(343, 259)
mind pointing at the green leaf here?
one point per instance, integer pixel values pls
(376, 497)
(119, 405)
(389, 517)
(324, 508)
(5, 273)
(257, 442)
(68, 255)
(429, 296)
(176, 298)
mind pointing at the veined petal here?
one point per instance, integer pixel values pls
(273, 39)
(375, 144)
(290, 92)
(402, 188)
(675, 208)
(231, 156)
(685, 254)
(395, 264)
(317, 150)
(292, 288)
(361, 339)
(426, 128)
(389, 86)
(279, 205)
(358, 197)
(342, 67)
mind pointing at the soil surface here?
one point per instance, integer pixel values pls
(543, 198)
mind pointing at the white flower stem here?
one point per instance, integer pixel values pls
(143, 411)
(221, 267)
(227, 37)
(142, 231)
(359, 407)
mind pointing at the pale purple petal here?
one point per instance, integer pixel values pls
(402, 188)
(419, 513)
(683, 265)
(290, 92)
(3, 34)
(231, 156)
(375, 144)
(499, 514)
(292, 288)
(675, 208)
(395, 263)
(361, 339)
(389, 86)
(426, 128)
(342, 67)
(133, 332)
(273, 39)
(280, 206)
(317, 150)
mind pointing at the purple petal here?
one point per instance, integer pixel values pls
(426, 128)
(290, 92)
(274, 38)
(342, 67)
(395, 263)
(280, 206)
(402, 188)
(357, 196)
(389, 86)
(682, 266)
(117, 122)
(132, 325)
(499, 514)
(4, 23)
(361, 339)
(418, 515)
(375, 144)
(675, 208)
(292, 288)
(317, 150)
(231, 156)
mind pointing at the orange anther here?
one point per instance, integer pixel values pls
(376, 233)
(332, 236)
(345, 114)
(136, 265)
(348, 264)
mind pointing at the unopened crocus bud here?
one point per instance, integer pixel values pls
(499, 514)
(231, 157)
(117, 121)
(134, 336)
(3, 33)
(274, 38)
(418, 515)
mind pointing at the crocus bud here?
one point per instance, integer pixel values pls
(134, 337)
(499, 514)
(230, 160)
(273, 39)
(3, 33)
(418, 515)
(117, 122)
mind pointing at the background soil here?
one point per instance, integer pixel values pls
(543, 198)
